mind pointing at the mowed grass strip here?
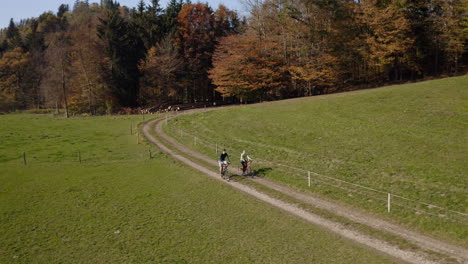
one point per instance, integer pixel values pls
(123, 207)
(408, 140)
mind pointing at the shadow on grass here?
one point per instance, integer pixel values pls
(262, 172)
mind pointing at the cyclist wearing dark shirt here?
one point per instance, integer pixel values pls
(223, 159)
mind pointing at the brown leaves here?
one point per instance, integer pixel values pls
(159, 74)
(13, 68)
(245, 67)
(386, 33)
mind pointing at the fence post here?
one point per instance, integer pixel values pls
(24, 158)
(131, 128)
(308, 177)
(138, 137)
(149, 151)
(195, 140)
(388, 202)
(166, 119)
(79, 156)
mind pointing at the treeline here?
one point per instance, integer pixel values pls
(300, 47)
(98, 58)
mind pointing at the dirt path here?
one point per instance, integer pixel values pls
(413, 257)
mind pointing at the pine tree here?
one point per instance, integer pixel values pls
(13, 36)
(169, 16)
(124, 49)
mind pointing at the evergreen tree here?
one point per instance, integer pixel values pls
(62, 10)
(147, 23)
(3, 47)
(13, 36)
(169, 17)
(34, 40)
(124, 49)
(154, 13)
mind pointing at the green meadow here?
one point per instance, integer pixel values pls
(119, 205)
(408, 140)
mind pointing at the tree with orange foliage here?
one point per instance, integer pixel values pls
(248, 70)
(13, 70)
(196, 42)
(386, 39)
(226, 21)
(318, 73)
(90, 91)
(159, 71)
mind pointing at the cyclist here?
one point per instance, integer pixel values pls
(244, 158)
(223, 159)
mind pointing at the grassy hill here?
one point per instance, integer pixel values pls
(120, 206)
(409, 140)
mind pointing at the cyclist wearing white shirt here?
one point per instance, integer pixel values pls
(244, 159)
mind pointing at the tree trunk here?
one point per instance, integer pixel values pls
(88, 82)
(64, 92)
(436, 61)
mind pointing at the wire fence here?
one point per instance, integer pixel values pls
(79, 157)
(386, 198)
(104, 155)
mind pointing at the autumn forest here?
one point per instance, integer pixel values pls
(99, 58)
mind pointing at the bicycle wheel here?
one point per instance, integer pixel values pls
(249, 171)
(225, 172)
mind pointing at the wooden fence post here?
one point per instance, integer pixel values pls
(388, 202)
(308, 177)
(24, 158)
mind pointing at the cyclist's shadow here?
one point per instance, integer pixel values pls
(261, 172)
(258, 173)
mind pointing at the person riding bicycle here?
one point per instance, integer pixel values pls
(223, 160)
(244, 159)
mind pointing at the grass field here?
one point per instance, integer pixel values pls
(409, 140)
(120, 206)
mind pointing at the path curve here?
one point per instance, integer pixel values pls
(425, 242)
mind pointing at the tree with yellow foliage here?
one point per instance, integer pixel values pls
(13, 71)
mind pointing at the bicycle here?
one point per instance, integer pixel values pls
(225, 171)
(248, 169)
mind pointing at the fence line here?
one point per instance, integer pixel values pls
(260, 161)
(70, 158)
(374, 190)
